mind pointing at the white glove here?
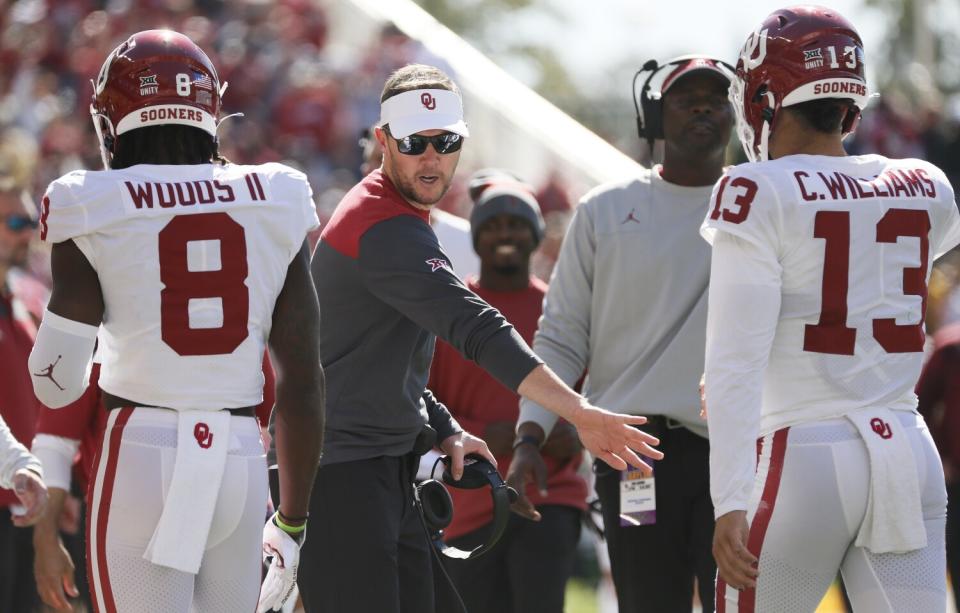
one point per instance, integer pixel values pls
(282, 552)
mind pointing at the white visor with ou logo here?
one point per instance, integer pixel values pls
(423, 109)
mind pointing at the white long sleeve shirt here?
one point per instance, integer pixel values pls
(13, 457)
(627, 301)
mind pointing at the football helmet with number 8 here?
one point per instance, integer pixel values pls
(155, 77)
(797, 54)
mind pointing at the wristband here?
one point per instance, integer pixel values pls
(291, 530)
(526, 438)
(290, 518)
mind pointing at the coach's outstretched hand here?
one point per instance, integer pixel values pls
(612, 437)
(608, 436)
(281, 551)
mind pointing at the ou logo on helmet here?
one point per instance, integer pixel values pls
(754, 50)
(428, 101)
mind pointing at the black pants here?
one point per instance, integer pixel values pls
(525, 572)
(18, 589)
(953, 538)
(654, 566)
(366, 551)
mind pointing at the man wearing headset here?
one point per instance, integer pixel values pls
(386, 290)
(628, 303)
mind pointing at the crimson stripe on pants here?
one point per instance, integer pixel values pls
(97, 535)
(721, 597)
(761, 518)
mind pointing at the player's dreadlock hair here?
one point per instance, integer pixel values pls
(824, 115)
(166, 144)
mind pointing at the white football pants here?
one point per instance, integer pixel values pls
(126, 498)
(810, 496)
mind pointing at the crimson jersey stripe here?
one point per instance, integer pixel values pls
(256, 180)
(250, 188)
(98, 538)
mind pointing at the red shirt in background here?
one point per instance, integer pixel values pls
(476, 399)
(18, 405)
(939, 385)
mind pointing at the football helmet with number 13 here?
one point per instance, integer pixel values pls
(797, 54)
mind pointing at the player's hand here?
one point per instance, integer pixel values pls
(282, 552)
(527, 465)
(563, 442)
(458, 445)
(32, 494)
(703, 396)
(736, 565)
(611, 437)
(54, 571)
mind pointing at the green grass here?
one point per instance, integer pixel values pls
(581, 597)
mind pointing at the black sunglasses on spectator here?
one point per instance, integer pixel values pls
(448, 142)
(19, 223)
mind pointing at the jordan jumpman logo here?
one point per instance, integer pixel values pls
(630, 217)
(48, 372)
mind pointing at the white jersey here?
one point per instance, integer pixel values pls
(818, 294)
(190, 260)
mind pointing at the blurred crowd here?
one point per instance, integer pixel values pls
(301, 103)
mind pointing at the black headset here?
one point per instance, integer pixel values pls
(436, 506)
(650, 106)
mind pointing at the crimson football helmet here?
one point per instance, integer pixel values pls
(797, 54)
(155, 77)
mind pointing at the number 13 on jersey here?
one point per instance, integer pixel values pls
(831, 334)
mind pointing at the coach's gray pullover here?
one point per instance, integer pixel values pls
(386, 290)
(628, 301)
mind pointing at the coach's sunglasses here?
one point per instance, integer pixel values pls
(19, 223)
(448, 142)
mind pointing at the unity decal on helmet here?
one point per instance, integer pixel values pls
(148, 85)
(812, 58)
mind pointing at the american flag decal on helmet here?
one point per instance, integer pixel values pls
(202, 81)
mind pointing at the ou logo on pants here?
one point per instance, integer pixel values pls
(202, 433)
(881, 427)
